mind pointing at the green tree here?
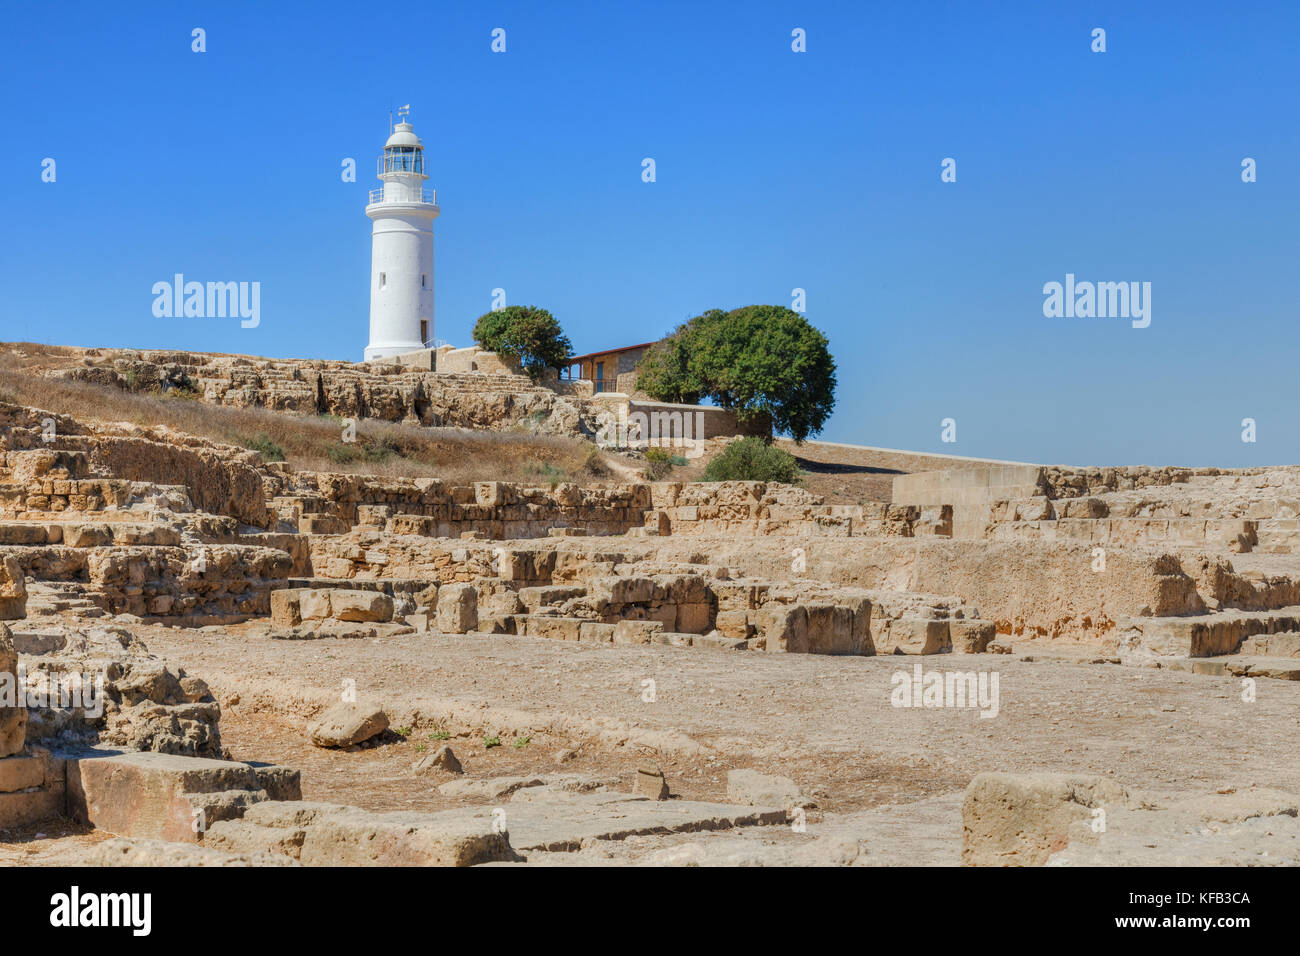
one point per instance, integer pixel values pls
(664, 372)
(528, 333)
(764, 361)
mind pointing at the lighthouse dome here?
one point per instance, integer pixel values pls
(404, 135)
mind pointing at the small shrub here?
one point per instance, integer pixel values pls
(382, 448)
(402, 732)
(521, 742)
(658, 464)
(490, 742)
(594, 464)
(264, 446)
(342, 454)
(752, 459)
(178, 386)
(179, 394)
(547, 472)
(440, 735)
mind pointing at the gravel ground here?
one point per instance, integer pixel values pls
(887, 781)
(826, 722)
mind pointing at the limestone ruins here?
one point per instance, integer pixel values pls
(212, 658)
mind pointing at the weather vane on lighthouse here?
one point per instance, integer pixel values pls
(401, 251)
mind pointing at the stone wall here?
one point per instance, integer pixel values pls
(757, 509)
(323, 503)
(1030, 589)
(494, 398)
(627, 422)
(39, 476)
(1235, 510)
(980, 496)
(1059, 482)
(1228, 534)
(474, 359)
(207, 582)
(969, 490)
(432, 507)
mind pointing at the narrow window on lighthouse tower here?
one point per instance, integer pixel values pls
(424, 331)
(423, 277)
(383, 279)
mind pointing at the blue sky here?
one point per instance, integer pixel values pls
(775, 170)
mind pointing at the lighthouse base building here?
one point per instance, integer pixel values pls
(401, 259)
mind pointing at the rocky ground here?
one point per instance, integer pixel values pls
(883, 784)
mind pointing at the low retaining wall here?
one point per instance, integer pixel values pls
(971, 491)
(216, 581)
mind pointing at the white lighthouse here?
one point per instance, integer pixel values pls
(401, 256)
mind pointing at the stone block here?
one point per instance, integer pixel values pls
(13, 717)
(1286, 644)
(347, 723)
(593, 632)
(554, 628)
(636, 632)
(829, 629)
(327, 835)
(489, 493)
(734, 624)
(658, 523)
(784, 628)
(158, 796)
(285, 607)
(280, 783)
(360, 605)
(650, 783)
(314, 604)
(87, 535)
(694, 618)
(13, 589)
(631, 590)
(21, 773)
(717, 642)
(1037, 508)
(159, 853)
(1022, 819)
(457, 608)
(916, 635)
(30, 806)
(322, 524)
(754, 789)
(971, 636)
(548, 595)
(442, 760)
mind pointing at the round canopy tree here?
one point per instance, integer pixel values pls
(764, 361)
(664, 372)
(528, 333)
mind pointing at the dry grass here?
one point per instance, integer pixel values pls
(315, 443)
